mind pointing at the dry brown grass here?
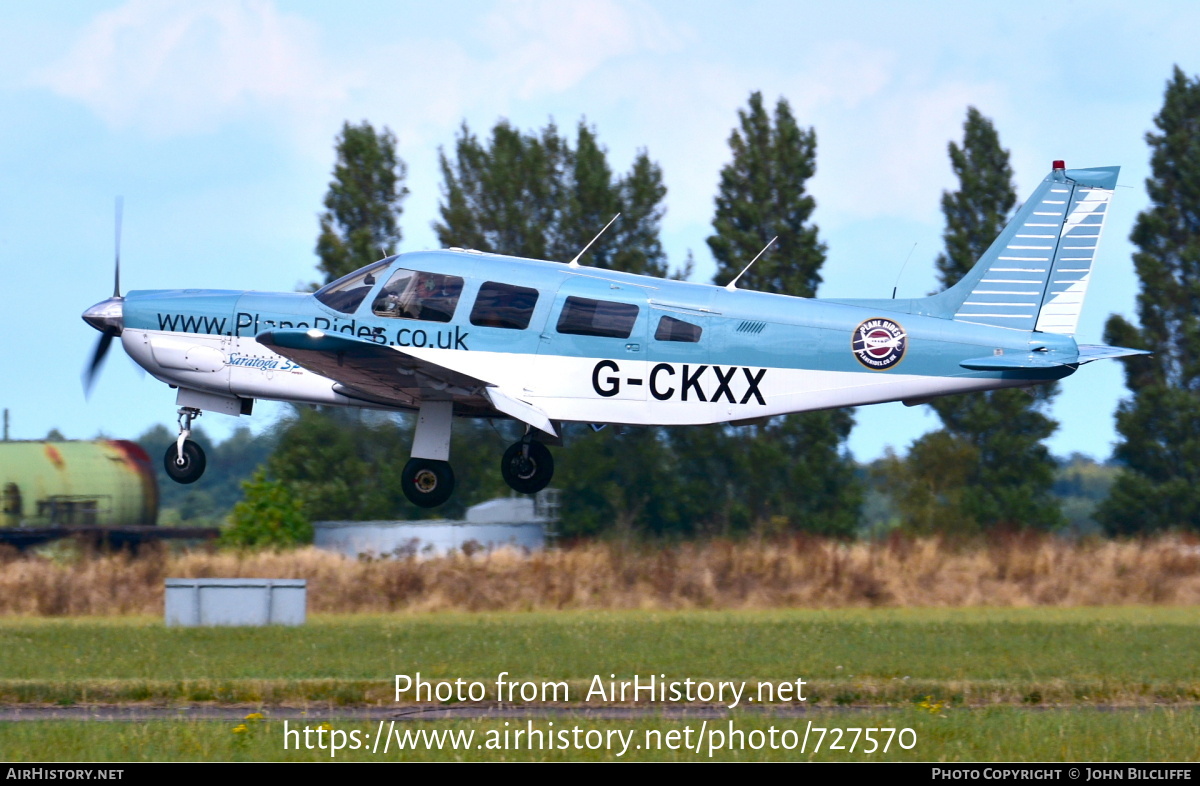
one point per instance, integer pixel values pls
(1021, 570)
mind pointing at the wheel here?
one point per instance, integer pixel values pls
(427, 483)
(193, 464)
(530, 473)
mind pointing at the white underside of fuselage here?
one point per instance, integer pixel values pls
(622, 390)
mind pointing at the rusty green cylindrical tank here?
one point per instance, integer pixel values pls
(102, 483)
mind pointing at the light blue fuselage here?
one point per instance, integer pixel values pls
(740, 328)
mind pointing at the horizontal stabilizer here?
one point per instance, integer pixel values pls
(1090, 352)
(1025, 361)
(1049, 359)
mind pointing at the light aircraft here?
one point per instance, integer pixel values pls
(463, 333)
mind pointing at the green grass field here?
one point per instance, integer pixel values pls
(873, 657)
(995, 734)
(1100, 684)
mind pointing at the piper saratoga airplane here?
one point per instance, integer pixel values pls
(463, 333)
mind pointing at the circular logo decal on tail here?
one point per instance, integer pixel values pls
(879, 343)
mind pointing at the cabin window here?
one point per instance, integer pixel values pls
(583, 316)
(413, 294)
(348, 291)
(503, 306)
(672, 329)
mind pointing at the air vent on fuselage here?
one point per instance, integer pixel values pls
(750, 327)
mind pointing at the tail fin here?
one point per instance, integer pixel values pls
(1035, 275)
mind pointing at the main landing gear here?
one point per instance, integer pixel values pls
(185, 461)
(428, 480)
(527, 466)
(427, 483)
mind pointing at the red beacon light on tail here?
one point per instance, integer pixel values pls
(1060, 165)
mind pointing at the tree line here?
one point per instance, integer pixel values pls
(544, 194)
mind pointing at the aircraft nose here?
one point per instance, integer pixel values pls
(107, 316)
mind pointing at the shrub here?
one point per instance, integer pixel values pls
(268, 515)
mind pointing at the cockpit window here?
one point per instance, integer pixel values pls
(348, 291)
(504, 306)
(672, 329)
(414, 294)
(583, 316)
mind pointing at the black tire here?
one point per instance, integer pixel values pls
(427, 483)
(193, 464)
(530, 473)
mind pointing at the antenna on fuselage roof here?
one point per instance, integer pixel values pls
(731, 285)
(910, 252)
(575, 262)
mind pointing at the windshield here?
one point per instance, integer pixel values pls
(348, 291)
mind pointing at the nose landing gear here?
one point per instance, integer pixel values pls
(185, 461)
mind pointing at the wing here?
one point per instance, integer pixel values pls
(379, 374)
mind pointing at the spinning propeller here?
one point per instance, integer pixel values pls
(106, 316)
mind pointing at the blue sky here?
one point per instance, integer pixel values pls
(216, 122)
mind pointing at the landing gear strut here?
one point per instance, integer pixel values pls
(527, 466)
(185, 461)
(427, 479)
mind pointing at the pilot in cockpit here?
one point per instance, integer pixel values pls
(418, 295)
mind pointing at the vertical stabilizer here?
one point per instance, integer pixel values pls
(1035, 275)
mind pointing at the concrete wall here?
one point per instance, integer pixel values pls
(519, 522)
(432, 538)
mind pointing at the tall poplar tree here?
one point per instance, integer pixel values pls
(537, 195)
(545, 196)
(1159, 487)
(987, 466)
(363, 204)
(345, 463)
(762, 195)
(791, 472)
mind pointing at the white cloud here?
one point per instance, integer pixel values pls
(844, 74)
(548, 46)
(882, 120)
(522, 61)
(881, 128)
(888, 156)
(178, 67)
(168, 67)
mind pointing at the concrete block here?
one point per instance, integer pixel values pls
(199, 602)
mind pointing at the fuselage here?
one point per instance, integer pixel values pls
(653, 351)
